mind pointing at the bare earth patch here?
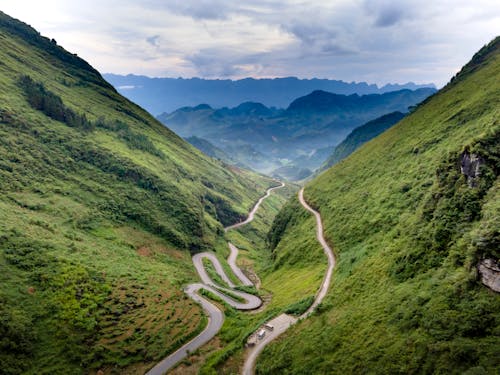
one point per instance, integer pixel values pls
(143, 251)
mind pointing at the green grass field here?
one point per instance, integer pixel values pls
(408, 230)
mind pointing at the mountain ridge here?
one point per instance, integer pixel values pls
(160, 95)
(412, 215)
(361, 135)
(101, 208)
(287, 138)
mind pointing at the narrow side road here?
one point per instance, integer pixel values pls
(282, 322)
(215, 315)
(328, 252)
(254, 209)
(237, 270)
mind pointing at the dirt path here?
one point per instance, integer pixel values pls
(282, 322)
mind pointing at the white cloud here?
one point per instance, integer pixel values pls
(374, 40)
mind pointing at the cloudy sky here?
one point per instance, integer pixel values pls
(377, 41)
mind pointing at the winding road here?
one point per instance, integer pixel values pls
(215, 315)
(282, 322)
(255, 208)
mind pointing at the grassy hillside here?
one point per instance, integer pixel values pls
(408, 229)
(100, 208)
(361, 135)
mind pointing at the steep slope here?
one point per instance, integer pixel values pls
(159, 95)
(410, 215)
(100, 206)
(209, 149)
(361, 135)
(310, 123)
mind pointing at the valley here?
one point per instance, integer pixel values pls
(263, 226)
(216, 316)
(281, 323)
(286, 143)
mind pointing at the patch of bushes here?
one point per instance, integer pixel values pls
(224, 212)
(285, 219)
(300, 307)
(16, 338)
(52, 105)
(132, 139)
(40, 98)
(72, 297)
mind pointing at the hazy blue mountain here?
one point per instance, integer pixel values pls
(326, 102)
(291, 172)
(159, 95)
(210, 149)
(302, 136)
(361, 135)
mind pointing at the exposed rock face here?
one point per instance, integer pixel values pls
(489, 271)
(470, 166)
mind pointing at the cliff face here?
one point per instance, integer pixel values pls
(489, 271)
(470, 166)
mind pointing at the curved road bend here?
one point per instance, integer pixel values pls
(255, 208)
(215, 315)
(237, 270)
(282, 322)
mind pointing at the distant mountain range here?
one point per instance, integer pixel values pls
(301, 136)
(158, 95)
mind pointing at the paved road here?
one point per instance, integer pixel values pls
(198, 264)
(215, 320)
(254, 209)
(237, 270)
(215, 315)
(281, 323)
(284, 321)
(328, 252)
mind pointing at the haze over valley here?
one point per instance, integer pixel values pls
(315, 192)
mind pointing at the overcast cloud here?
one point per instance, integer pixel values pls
(377, 41)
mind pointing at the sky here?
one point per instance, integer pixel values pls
(377, 41)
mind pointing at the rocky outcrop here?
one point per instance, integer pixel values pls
(489, 272)
(470, 165)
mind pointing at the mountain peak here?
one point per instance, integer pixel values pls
(323, 101)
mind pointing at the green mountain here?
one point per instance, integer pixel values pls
(287, 138)
(209, 149)
(101, 206)
(414, 219)
(361, 135)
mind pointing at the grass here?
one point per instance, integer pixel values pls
(408, 230)
(209, 267)
(101, 208)
(283, 288)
